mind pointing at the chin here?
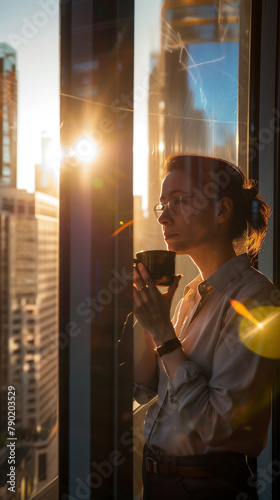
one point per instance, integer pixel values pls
(175, 248)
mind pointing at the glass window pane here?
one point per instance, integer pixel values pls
(29, 126)
(190, 96)
(190, 93)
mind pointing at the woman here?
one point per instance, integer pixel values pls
(213, 406)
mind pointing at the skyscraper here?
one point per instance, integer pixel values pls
(29, 326)
(8, 116)
(18, 291)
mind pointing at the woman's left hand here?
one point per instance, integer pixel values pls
(151, 307)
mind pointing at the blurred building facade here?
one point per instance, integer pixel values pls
(29, 330)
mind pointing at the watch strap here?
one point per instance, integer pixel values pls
(168, 346)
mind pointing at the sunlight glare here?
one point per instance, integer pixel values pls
(86, 149)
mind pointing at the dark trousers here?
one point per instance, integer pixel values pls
(238, 484)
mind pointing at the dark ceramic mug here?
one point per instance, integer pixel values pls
(160, 265)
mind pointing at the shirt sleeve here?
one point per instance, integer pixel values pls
(144, 393)
(236, 398)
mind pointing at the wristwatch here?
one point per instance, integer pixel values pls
(168, 346)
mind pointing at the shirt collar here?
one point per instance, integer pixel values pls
(228, 271)
(192, 287)
(220, 278)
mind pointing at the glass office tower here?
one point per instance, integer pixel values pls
(8, 116)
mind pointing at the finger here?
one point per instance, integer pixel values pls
(139, 299)
(137, 279)
(145, 275)
(173, 287)
(136, 297)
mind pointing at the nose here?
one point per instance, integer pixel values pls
(165, 217)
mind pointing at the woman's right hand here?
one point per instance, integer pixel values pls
(151, 307)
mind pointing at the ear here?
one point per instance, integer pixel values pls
(225, 210)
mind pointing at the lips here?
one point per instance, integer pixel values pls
(168, 236)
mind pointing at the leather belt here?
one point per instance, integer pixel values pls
(169, 469)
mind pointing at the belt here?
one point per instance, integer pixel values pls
(172, 469)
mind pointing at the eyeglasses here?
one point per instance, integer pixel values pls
(174, 205)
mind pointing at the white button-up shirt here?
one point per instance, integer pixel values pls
(219, 398)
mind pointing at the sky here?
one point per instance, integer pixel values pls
(214, 81)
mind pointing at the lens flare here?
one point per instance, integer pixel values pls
(123, 226)
(259, 329)
(243, 311)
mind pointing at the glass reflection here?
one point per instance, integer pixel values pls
(28, 248)
(191, 96)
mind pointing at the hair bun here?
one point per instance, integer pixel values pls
(250, 194)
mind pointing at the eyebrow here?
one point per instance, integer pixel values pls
(173, 192)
